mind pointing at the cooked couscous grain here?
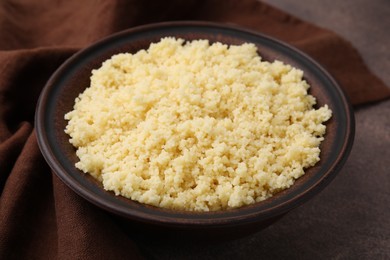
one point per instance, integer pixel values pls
(194, 126)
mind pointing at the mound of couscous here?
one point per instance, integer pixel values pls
(194, 126)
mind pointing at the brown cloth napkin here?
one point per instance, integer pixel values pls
(40, 217)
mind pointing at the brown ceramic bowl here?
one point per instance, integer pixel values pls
(73, 76)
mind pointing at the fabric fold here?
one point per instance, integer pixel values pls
(27, 223)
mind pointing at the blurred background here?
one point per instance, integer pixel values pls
(365, 23)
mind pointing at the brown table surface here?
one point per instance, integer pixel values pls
(355, 224)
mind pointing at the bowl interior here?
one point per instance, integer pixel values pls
(73, 77)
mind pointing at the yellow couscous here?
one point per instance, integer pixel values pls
(196, 126)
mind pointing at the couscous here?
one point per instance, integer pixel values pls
(196, 126)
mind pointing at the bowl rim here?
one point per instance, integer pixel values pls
(186, 218)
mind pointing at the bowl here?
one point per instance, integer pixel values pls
(72, 78)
